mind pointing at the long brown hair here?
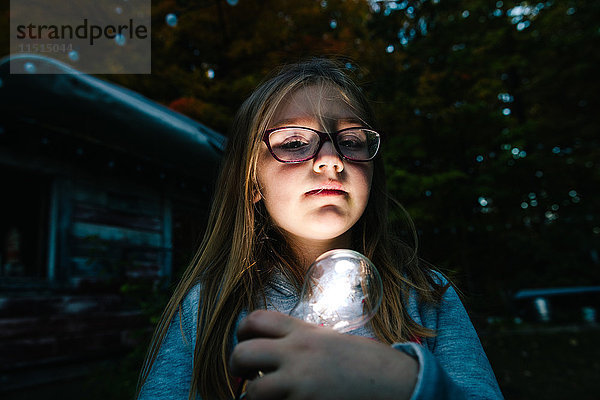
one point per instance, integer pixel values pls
(242, 248)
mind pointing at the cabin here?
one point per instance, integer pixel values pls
(102, 190)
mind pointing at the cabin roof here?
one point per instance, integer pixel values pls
(58, 97)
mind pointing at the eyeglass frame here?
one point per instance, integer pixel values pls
(323, 137)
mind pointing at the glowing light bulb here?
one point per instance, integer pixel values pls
(342, 290)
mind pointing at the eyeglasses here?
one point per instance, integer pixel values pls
(295, 144)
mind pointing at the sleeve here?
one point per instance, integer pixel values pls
(453, 364)
(171, 373)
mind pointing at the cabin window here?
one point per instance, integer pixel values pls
(23, 224)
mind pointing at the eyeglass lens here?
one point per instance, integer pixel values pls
(297, 144)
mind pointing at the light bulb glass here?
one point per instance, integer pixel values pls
(342, 290)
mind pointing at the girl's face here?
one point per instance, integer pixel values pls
(322, 198)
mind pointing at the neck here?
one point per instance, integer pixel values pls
(307, 250)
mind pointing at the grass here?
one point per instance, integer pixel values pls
(560, 363)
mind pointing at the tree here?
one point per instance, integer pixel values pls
(486, 109)
(497, 161)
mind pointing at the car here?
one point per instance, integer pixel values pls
(560, 305)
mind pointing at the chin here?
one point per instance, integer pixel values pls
(326, 231)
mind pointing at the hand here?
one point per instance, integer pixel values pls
(304, 361)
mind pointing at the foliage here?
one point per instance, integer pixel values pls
(498, 162)
(486, 107)
(556, 364)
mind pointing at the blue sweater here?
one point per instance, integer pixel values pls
(452, 365)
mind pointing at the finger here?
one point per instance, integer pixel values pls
(268, 387)
(263, 323)
(254, 355)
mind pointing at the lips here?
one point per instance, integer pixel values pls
(328, 189)
(326, 192)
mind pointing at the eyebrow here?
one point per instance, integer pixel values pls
(298, 121)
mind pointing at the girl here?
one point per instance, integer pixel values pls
(302, 176)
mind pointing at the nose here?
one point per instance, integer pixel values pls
(327, 158)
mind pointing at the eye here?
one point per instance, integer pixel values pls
(293, 143)
(352, 140)
(293, 139)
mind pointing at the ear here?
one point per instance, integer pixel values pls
(257, 197)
